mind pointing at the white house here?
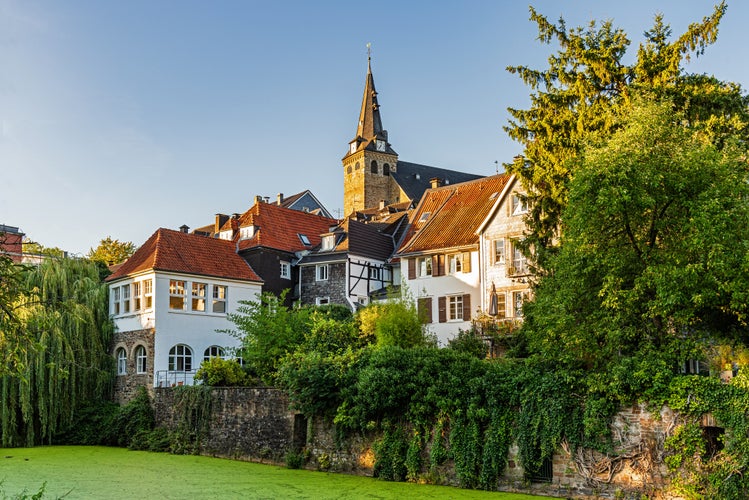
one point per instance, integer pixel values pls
(440, 259)
(169, 302)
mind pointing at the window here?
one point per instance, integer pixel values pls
(180, 358)
(499, 251)
(518, 205)
(137, 287)
(386, 169)
(225, 235)
(519, 263)
(348, 170)
(213, 352)
(424, 266)
(518, 298)
(356, 167)
(501, 305)
(198, 296)
(303, 238)
(177, 295)
(321, 272)
(140, 359)
(455, 262)
(328, 242)
(121, 361)
(455, 304)
(424, 216)
(148, 294)
(219, 299)
(246, 233)
(116, 300)
(374, 167)
(374, 273)
(285, 270)
(322, 301)
(125, 298)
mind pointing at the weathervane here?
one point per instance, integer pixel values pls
(369, 51)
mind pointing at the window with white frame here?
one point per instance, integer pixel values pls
(321, 272)
(180, 358)
(213, 352)
(219, 299)
(322, 301)
(499, 251)
(285, 270)
(424, 266)
(125, 298)
(518, 299)
(121, 356)
(304, 239)
(518, 205)
(148, 294)
(247, 232)
(374, 273)
(198, 296)
(455, 307)
(455, 262)
(225, 235)
(328, 242)
(519, 263)
(116, 300)
(177, 295)
(137, 299)
(141, 362)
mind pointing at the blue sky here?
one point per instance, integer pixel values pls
(117, 118)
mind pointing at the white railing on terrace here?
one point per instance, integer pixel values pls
(167, 378)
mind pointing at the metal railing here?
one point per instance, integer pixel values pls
(168, 378)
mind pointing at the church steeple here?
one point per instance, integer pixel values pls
(370, 161)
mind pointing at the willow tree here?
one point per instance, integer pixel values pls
(587, 85)
(63, 363)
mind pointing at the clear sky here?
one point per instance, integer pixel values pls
(120, 117)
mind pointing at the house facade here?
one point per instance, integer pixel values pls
(169, 303)
(440, 257)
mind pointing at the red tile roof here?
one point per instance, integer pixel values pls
(169, 250)
(448, 216)
(280, 227)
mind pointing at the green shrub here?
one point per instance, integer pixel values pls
(294, 459)
(218, 372)
(132, 419)
(469, 342)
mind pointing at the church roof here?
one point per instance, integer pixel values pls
(414, 179)
(175, 251)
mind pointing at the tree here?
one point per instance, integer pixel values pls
(111, 251)
(654, 249)
(586, 85)
(57, 359)
(32, 247)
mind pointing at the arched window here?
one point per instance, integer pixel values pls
(386, 169)
(140, 359)
(374, 166)
(180, 358)
(121, 356)
(213, 352)
(356, 167)
(348, 170)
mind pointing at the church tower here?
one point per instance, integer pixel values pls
(370, 160)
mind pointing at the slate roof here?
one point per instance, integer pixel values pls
(448, 216)
(356, 238)
(414, 179)
(279, 228)
(169, 250)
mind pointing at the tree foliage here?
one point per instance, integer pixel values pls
(654, 251)
(587, 85)
(64, 315)
(111, 251)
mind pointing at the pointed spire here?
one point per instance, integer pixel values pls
(370, 123)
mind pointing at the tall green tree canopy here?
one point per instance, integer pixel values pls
(111, 251)
(59, 350)
(654, 246)
(587, 83)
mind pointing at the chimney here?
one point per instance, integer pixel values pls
(184, 228)
(279, 199)
(234, 223)
(220, 221)
(435, 182)
(382, 204)
(266, 199)
(258, 198)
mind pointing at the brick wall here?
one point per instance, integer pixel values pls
(335, 287)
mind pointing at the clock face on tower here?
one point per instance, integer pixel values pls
(381, 145)
(353, 147)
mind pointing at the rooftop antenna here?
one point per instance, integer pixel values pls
(496, 166)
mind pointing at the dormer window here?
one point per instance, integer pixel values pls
(225, 235)
(328, 242)
(424, 216)
(245, 233)
(303, 238)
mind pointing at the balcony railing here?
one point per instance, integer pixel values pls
(167, 378)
